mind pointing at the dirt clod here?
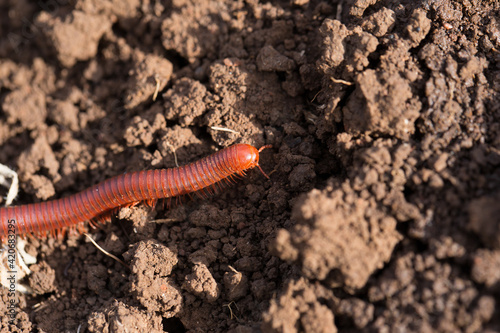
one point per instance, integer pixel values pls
(116, 317)
(320, 242)
(298, 310)
(270, 60)
(42, 278)
(482, 214)
(202, 283)
(484, 269)
(151, 264)
(74, 37)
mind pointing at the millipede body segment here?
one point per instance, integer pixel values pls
(202, 177)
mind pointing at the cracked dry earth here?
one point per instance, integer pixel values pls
(382, 211)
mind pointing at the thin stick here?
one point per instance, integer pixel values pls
(270, 173)
(106, 252)
(231, 310)
(157, 89)
(175, 154)
(224, 129)
(316, 95)
(347, 83)
(165, 220)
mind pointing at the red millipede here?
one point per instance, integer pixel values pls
(96, 203)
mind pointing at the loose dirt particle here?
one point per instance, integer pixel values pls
(382, 104)
(235, 285)
(270, 60)
(65, 114)
(40, 155)
(298, 310)
(418, 27)
(120, 317)
(151, 264)
(202, 284)
(120, 8)
(193, 29)
(485, 268)
(359, 312)
(146, 72)
(42, 278)
(185, 101)
(483, 213)
(380, 23)
(26, 106)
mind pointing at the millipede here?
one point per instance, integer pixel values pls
(96, 204)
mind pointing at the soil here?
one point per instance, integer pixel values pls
(382, 211)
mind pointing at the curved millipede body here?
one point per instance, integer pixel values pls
(200, 177)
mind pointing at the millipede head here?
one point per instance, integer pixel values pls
(248, 157)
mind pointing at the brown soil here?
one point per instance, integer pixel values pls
(382, 212)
